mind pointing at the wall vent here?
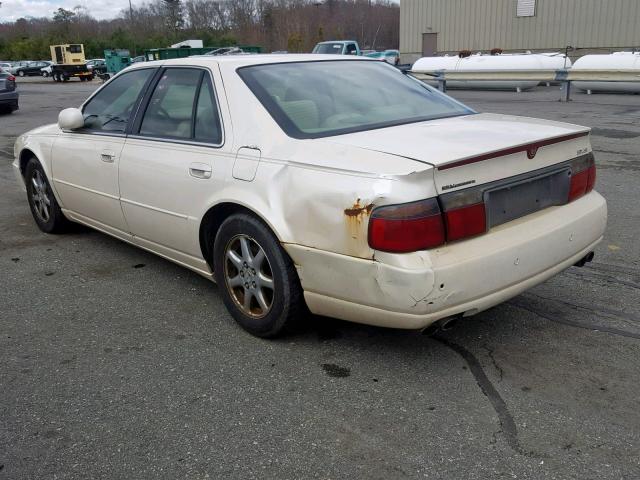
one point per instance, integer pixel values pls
(526, 8)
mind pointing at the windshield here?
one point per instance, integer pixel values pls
(324, 98)
(328, 48)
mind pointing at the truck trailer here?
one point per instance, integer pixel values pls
(69, 62)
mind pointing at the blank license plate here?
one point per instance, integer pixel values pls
(531, 195)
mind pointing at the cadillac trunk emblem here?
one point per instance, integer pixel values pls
(531, 152)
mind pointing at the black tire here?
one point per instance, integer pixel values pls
(287, 302)
(54, 221)
(45, 74)
(21, 73)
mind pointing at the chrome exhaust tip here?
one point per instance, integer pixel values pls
(441, 325)
(584, 260)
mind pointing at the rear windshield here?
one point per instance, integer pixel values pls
(325, 98)
(329, 48)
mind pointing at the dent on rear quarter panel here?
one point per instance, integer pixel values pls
(327, 214)
(330, 210)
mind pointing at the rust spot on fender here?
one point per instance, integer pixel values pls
(358, 210)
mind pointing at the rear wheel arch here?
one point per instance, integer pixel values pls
(213, 219)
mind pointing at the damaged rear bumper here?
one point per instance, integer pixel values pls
(412, 291)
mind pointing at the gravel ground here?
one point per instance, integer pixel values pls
(117, 364)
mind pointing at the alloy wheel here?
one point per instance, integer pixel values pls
(40, 196)
(248, 276)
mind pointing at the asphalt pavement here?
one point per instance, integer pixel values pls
(117, 364)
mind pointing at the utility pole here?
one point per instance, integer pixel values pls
(131, 27)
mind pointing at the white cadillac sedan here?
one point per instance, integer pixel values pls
(339, 185)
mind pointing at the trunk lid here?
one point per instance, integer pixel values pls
(477, 149)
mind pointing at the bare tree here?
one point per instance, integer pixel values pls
(295, 25)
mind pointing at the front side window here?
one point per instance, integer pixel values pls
(324, 98)
(111, 108)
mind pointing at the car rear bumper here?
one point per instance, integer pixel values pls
(10, 99)
(414, 290)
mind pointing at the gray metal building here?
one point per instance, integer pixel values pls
(430, 27)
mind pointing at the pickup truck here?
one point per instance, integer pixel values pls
(338, 47)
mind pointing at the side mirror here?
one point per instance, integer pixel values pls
(70, 119)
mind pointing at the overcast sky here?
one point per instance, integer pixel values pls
(11, 10)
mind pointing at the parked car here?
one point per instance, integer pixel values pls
(16, 65)
(32, 68)
(97, 66)
(139, 58)
(5, 66)
(8, 94)
(46, 71)
(293, 187)
(389, 56)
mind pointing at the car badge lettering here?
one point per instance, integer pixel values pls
(454, 185)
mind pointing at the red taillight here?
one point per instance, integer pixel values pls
(592, 178)
(583, 177)
(578, 186)
(423, 225)
(11, 78)
(408, 227)
(466, 221)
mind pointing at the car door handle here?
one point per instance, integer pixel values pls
(108, 157)
(200, 170)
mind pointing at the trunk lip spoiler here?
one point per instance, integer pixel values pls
(531, 149)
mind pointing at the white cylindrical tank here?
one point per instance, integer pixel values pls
(499, 62)
(554, 60)
(613, 61)
(491, 62)
(426, 64)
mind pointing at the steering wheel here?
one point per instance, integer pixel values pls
(163, 112)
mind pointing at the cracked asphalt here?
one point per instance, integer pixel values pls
(116, 364)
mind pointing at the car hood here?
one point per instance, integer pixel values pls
(438, 142)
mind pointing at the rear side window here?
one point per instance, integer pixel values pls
(183, 106)
(207, 127)
(170, 110)
(110, 109)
